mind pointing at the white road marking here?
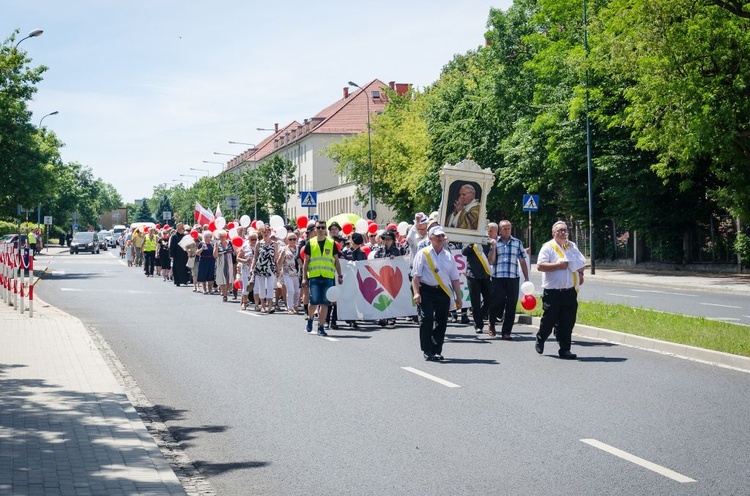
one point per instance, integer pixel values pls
(245, 312)
(638, 461)
(329, 338)
(662, 292)
(431, 377)
(621, 295)
(718, 305)
(57, 272)
(72, 289)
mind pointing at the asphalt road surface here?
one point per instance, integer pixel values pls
(264, 408)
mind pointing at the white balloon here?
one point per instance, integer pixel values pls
(217, 232)
(245, 220)
(333, 293)
(276, 221)
(402, 228)
(527, 288)
(260, 224)
(281, 232)
(220, 222)
(361, 226)
(233, 233)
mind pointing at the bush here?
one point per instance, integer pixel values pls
(742, 248)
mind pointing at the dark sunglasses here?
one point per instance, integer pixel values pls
(320, 227)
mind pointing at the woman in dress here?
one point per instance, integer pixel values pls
(245, 260)
(224, 267)
(264, 268)
(207, 263)
(163, 255)
(290, 272)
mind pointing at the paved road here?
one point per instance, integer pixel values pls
(732, 307)
(264, 408)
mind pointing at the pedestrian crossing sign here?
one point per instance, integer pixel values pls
(309, 198)
(530, 203)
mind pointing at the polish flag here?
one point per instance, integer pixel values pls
(218, 210)
(202, 216)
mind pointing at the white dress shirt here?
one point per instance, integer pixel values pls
(562, 278)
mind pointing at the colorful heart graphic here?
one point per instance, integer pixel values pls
(368, 287)
(389, 278)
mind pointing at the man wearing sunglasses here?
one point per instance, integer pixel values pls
(320, 267)
(561, 265)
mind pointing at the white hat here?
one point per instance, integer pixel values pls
(436, 231)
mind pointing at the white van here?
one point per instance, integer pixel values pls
(118, 229)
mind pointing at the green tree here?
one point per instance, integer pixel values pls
(275, 184)
(144, 213)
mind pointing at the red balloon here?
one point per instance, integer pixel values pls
(528, 302)
(237, 242)
(145, 229)
(302, 254)
(196, 215)
(372, 228)
(212, 226)
(254, 224)
(194, 234)
(230, 226)
(302, 221)
(347, 228)
(158, 226)
(391, 227)
(238, 284)
(370, 222)
(366, 249)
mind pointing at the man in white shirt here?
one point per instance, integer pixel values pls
(433, 271)
(561, 265)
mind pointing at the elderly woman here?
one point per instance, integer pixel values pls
(245, 260)
(264, 269)
(206, 263)
(290, 272)
(224, 266)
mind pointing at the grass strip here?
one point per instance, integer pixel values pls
(693, 331)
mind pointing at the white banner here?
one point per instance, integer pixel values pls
(379, 289)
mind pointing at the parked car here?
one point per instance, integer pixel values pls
(13, 238)
(104, 237)
(84, 241)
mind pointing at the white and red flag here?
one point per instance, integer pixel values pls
(202, 216)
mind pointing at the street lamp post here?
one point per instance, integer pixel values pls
(369, 146)
(588, 145)
(33, 34)
(45, 116)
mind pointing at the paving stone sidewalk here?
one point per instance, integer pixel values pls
(66, 425)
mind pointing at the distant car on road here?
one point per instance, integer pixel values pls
(84, 241)
(104, 238)
(13, 238)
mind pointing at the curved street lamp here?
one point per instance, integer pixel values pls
(33, 34)
(44, 117)
(369, 144)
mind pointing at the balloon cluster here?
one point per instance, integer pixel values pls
(528, 302)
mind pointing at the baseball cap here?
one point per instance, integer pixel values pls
(357, 238)
(436, 231)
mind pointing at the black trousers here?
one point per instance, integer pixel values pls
(560, 309)
(480, 293)
(504, 301)
(149, 258)
(433, 313)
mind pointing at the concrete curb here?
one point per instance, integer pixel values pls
(711, 357)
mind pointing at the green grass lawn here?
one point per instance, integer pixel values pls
(693, 331)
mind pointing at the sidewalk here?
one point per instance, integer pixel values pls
(66, 425)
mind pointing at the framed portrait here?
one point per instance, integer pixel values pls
(463, 208)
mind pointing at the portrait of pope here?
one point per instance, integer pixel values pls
(462, 211)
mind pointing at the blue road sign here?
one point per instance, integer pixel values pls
(530, 203)
(309, 198)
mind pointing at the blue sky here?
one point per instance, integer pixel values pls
(147, 90)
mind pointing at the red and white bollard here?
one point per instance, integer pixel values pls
(31, 284)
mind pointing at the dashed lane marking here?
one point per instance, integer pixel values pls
(638, 461)
(621, 295)
(245, 312)
(719, 305)
(431, 377)
(663, 292)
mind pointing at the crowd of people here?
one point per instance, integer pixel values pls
(283, 268)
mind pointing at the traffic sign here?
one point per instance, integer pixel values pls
(371, 214)
(47, 220)
(530, 203)
(314, 217)
(233, 202)
(166, 215)
(75, 227)
(309, 198)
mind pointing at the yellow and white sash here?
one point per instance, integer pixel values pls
(553, 244)
(431, 263)
(481, 259)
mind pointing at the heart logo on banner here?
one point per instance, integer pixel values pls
(389, 278)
